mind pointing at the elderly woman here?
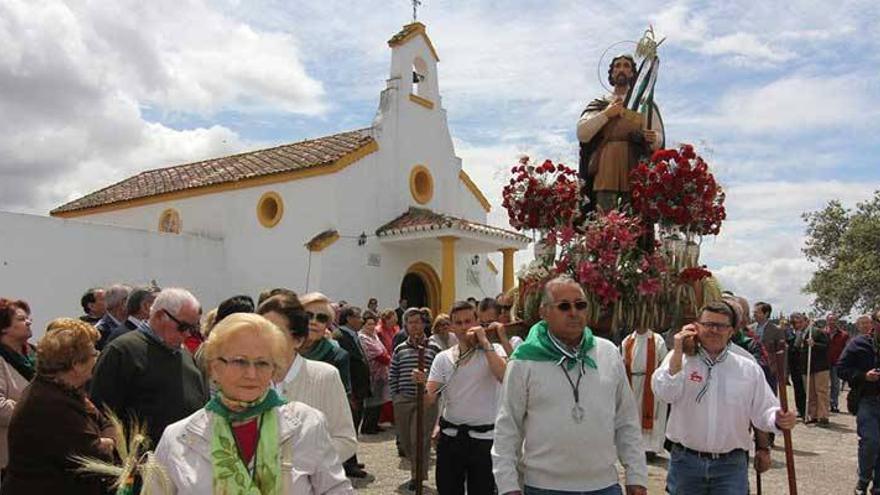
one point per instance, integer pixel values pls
(440, 334)
(17, 365)
(378, 359)
(247, 439)
(313, 383)
(318, 346)
(55, 420)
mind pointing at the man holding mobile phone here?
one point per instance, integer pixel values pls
(715, 395)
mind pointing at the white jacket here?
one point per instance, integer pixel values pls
(309, 464)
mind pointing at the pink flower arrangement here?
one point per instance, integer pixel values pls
(608, 261)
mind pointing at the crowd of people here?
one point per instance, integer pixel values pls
(271, 396)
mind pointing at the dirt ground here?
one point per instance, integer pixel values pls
(825, 463)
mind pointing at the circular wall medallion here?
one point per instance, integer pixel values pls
(421, 184)
(270, 209)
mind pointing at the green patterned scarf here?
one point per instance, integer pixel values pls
(320, 351)
(231, 475)
(541, 346)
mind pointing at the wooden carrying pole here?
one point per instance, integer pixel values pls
(781, 373)
(420, 424)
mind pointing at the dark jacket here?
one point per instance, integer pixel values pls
(50, 424)
(819, 358)
(105, 326)
(138, 376)
(359, 368)
(859, 356)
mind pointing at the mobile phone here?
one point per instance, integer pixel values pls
(690, 345)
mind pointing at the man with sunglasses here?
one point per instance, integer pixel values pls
(146, 374)
(715, 393)
(566, 414)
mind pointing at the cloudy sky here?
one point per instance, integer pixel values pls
(783, 101)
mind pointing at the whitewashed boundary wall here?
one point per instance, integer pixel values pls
(49, 262)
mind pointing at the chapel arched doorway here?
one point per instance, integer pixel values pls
(421, 287)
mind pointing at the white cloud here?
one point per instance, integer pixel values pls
(745, 47)
(75, 78)
(797, 104)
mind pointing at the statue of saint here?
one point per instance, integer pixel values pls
(614, 138)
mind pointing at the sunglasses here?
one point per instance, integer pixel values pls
(505, 307)
(182, 326)
(319, 317)
(566, 306)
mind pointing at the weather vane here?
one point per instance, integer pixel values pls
(416, 4)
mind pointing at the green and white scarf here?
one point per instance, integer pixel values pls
(541, 346)
(231, 475)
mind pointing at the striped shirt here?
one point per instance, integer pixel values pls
(403, 362)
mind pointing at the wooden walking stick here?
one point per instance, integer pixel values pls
(786, 434)
(420, 423)
(808, 341)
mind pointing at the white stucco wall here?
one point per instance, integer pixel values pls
(49, 262)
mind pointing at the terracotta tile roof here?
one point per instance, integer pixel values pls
(423, 219)
(285, 158)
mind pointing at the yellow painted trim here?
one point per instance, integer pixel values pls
(472, 187)
(432, 284)
(322, 244)
(263, 180)
(176, 214)
(266, 221)
(418, 29)
(507, 278)
(421, 101)
(447, 273)
(421, 197)
(492, 266)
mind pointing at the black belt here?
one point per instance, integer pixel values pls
(464, 429)
(669, 445)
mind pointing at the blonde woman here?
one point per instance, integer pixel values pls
(55, 420)
(247, 439)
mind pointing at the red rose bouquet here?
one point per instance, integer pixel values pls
(675, 188)
(541, 197)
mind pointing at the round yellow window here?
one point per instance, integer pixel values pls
(270, 209)
(421, 184)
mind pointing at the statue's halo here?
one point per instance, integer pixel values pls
(607, 57)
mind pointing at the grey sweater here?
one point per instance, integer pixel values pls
(535, 429)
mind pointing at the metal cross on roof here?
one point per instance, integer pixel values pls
(416, 4)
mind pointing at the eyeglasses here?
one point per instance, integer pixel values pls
(319, 317)
(566, 306)
(182, 326)
(241, 364)
(711, 325)
(505, 307)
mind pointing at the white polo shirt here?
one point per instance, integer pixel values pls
(470, 396)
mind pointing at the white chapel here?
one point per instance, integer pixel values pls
(383, 211)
